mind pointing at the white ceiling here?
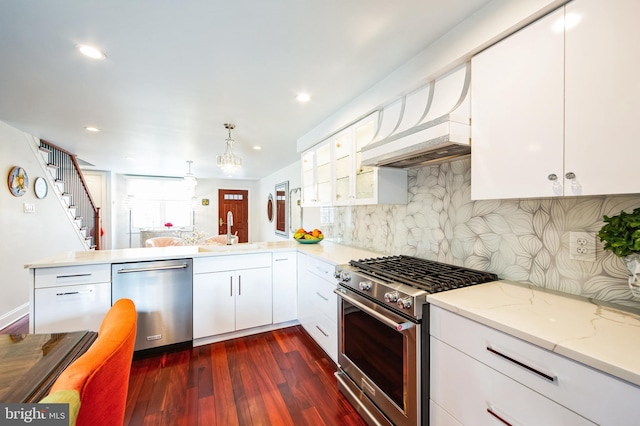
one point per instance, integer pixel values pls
(176, 71)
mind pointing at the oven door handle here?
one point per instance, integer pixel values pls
(391, 323)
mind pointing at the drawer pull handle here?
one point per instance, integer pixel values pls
(549, 377)
(72, 276)
(70, 293)
(494, 414)
(322, 297)
(152, 268)
(280, 260)
(322, 331)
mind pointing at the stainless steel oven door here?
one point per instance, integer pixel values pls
(379, 352)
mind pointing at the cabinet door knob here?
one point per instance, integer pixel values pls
(552, 177)
(570, 175)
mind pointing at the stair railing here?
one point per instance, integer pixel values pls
(68, 172)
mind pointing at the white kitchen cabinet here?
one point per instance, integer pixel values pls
(554, 109)
(231, 293)
(333, 173)
(517, 109)
(285, 286)
(70, 298)
(602, 95)
(358, 184)
(317, 303)
(475, 368)
(317, 183)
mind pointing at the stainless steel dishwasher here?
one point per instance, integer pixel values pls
(162, 293)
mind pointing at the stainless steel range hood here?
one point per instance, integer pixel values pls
(429, 125)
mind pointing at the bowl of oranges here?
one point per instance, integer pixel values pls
(308, 237)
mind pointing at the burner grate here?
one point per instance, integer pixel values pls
(425, 274)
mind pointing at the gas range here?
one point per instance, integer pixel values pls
(402, 283)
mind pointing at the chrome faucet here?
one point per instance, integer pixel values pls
(229, 225)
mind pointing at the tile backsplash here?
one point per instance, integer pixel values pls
(525, 240)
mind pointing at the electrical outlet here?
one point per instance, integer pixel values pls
(582, 246)
(29, 208)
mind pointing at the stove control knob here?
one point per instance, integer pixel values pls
(336, 274)
(391, 297)
(365, 285)
(405, 303)
(345, 276)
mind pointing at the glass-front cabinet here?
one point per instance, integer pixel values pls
(332, 172)
(317, 183)
(363, 133)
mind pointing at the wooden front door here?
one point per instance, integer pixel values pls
(235, 201)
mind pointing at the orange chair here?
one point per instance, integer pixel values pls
(163, 242)
(101, 375)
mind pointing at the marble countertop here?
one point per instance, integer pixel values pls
(326, 250)
(593, 333)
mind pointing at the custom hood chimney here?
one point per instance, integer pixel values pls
(427, 126)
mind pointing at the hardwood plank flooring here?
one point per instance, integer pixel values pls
(20, 326)
(280, 377)
(275, 378)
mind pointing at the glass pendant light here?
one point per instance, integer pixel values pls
(229, 162)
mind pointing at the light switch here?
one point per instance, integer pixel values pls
(29, 208)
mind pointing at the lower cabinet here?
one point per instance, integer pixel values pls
(482, 376)
(285, 286)
(70, 298)
(317, 303)
(231, 299)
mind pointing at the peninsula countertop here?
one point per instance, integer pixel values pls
(325, 250)
(594, 333)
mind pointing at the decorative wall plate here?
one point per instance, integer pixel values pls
(40, 187)
(18, 181)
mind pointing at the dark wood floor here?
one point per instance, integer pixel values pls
(276, 378)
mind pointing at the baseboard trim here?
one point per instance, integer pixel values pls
(14, 315)
(242, 333)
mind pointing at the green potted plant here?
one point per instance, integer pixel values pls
(621, 236)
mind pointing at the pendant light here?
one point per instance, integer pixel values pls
(190, 180)
(229, 162)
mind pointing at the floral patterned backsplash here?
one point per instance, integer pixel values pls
(525, 240)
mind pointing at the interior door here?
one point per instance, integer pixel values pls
(235, 201)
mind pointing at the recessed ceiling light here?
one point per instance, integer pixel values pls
(303, 97)
(91, 129)
(257, 148)
(91, 52)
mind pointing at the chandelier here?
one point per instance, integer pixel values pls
(228, 161)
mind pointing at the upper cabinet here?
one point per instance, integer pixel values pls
(333, 174)
(552, 106)
(602, 95)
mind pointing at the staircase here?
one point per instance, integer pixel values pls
(71, 187)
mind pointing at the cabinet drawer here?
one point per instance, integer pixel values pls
(71, 308)
(323, 297)
(202, 265)
(320, 268)
(597, 396)
(471, 391)
(70, 275)
(324, 331)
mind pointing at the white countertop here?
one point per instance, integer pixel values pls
(599, 336)
(326, 250)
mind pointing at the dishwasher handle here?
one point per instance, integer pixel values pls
(152, 268)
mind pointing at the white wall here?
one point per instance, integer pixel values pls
(266, 186)
(27, 236)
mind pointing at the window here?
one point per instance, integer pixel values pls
(156, 201)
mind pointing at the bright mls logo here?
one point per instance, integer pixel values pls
(34, 414)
